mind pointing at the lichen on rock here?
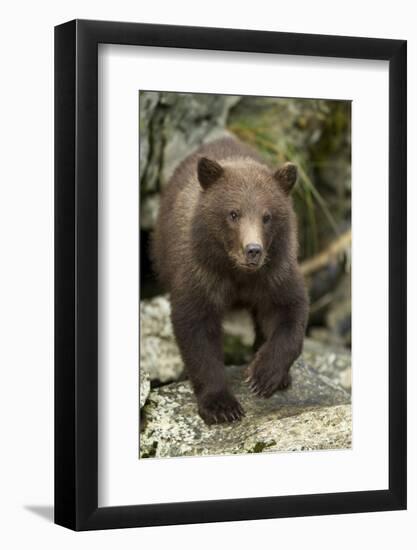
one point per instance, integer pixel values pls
(312, 414)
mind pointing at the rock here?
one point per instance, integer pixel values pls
(148, 102)
(159, 354)
(312, 414)
(171, 126)
(144, 388)
(334, 363)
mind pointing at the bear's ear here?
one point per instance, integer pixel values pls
(286, 176)
(208, 172)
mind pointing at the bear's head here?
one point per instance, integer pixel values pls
(246, 209)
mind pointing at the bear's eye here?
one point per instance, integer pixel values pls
(233, 215)
(266, 218)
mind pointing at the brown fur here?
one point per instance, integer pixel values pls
(220, 200)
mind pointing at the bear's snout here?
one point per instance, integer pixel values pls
(253, 253)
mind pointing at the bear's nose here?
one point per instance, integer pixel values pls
(253, 252)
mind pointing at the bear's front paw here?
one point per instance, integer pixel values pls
(218, 407)
(264, 382)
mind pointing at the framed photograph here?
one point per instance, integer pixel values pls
(230, 275)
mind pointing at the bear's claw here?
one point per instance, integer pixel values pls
(263, 385)
(220, 407)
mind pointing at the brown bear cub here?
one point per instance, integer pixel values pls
(226, 237)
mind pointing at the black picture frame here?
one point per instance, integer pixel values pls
(76, 272)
